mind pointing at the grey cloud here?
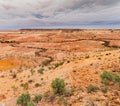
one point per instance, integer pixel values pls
(64, 5)
(58, 12)
(8, 7)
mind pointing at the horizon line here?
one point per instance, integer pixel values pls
(59, 29)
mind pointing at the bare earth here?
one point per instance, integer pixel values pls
(85, 55)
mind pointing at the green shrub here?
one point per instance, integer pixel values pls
(58, 64)
(63, 101)
(51, 67)
(32, 71)
(116, 78)
(46, 94)
(92, 88)
(58, 86)
(30, 103)
(68, 92)
(37, 85)
(30, 81)
(14, 89)
(23, 99)
(41, 70)
(14, 75)
(106, 76)
(25, 86)
(37, 98)
(51, 98)
(104, 89)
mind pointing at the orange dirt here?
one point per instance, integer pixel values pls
(85, 55)
(7, 64)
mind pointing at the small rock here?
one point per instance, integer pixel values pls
(88, 103)
(111, 83)
(102, 98)
(2, 97)
(2, 76)
(116, 93)
(2, 104)
(117, 101)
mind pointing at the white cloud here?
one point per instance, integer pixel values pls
(28, 13)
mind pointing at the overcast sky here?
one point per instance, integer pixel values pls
(15, 14)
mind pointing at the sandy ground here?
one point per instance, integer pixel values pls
(85, 54)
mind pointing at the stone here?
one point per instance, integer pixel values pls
(88, 103)
(2, 97)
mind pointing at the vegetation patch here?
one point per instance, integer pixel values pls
(104, 89)
(107, 77)
(37, 98)
(41, 70)
(25, 86)
(32, 71)
(23, 99)
(62, 101)
(58, 86)
(92, 88)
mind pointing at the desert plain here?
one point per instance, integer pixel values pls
(78, 56)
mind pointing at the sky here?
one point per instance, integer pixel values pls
(20, 14)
